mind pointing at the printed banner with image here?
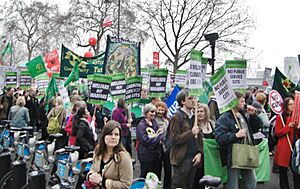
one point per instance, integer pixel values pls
(11, 79)
(133, 89)
(99, 89)
(87, 66)
(225, 96)
(181, 78)
(118, 86)
(236, 70)
(36, 66)
(25, 80)
(122, 56)
(158, 81)
(42, 82)
(267, 75)
(195, 73)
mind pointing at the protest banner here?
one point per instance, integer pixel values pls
(36, 66)
(133, 89)
(204, 68)
(25, 80)
(195, 73)
(52, 61)
(11, 79)
(181, 78)
(122, 56)
(118, 86)
(156, 59)
(87, 66)
(158, 81)
(99, 89)
(171, 102)
(42, 82)
(225, 96)
(267, 74)
(236, 71)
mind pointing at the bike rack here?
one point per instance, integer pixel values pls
(19, 174)
(4, 163)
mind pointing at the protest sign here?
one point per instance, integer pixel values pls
(225, 96)
(146, 77)
(99, 89)
(195, 73)
(64, 94)
(158, 81)
(118, 86)
(267, 75)
(87, 66)
(171, 102)
(25, 80)
(122, 56)
(236, 70)
(133, 89)
(11, 79)
(204, 68)
(181, 78)
(42, 82)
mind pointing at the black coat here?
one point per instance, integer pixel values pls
(84, 136)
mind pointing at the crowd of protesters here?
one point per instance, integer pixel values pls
(108, 134)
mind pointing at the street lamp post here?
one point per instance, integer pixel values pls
(119, 13)
(212, 37)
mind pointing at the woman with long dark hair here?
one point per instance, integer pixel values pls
(83, 132)
(285, 130)
(112, 166)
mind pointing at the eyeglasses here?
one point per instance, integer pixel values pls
(290, 104)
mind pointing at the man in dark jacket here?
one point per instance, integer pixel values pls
(6, 102)
(227, 132)
(186, 150)
(32, 104)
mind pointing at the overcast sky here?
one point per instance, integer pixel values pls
(277, 32)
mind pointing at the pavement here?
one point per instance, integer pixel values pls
(272, 184)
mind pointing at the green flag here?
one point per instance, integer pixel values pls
(74, 75)
(282, 84)
(50, 92)
(7, 50)
(36, 66)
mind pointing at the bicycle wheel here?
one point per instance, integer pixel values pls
(5, 181)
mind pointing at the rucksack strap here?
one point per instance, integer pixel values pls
(59, 112)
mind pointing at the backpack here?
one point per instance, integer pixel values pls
(167, 142)
(53, 125)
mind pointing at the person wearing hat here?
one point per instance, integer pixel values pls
(149, 136)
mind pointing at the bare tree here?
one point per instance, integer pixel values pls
(35, 27)
(177, 26)
(88, 16)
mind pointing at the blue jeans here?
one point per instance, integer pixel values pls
(248, 178)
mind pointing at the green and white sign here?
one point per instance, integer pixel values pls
(158, 81)
(225, 96)
(146, 77)
(181, 78)
(133, 89)
(25, 80)
(42, 82)
(99, 89)
(11, 79)
(118, 86)
(195, 73)
(236, 70)
(64, 94)
(204, 68)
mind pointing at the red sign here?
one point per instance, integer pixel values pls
(156, 59)
(52, 60)
(107, 21)
(296, 110)
(275, 102)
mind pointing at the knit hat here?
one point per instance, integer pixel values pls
(148, 108)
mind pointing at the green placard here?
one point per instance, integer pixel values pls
(133, 89)
(99, 89)
(25, 80)
(11, 79)
(118, 86)
(158, 82)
